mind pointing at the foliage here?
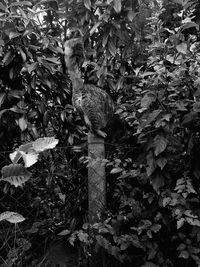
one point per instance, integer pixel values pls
(146, 55)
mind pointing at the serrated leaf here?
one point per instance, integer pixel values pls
(15, 174)
(12, 217)
(182, 48)
(160, 144)
(42, 144)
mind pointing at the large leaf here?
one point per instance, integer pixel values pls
(45, 143)
(29, 158)
(12, 217)
(15, 174)
(30, 151)
(17, 154)
(117, 5)
(160, 144)
(182, 48)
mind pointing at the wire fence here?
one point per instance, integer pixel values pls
(56, 192)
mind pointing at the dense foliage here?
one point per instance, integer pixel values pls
(146, 55)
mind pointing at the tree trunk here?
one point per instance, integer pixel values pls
(96, 177)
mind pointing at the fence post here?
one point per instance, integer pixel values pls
(96, 178)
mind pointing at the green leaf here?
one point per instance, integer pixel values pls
(151, 165)
(21, 3)
(161, 162)
(31, 67)
(131, 15)
(116, 170)
(166, 201)
(14, 35)
(180, 223)
(155, 228)
(184, 254)
(2, 7)
(117, 5)
(2, 98)
(190, 25)
(182, 48)
(22, 124)
(12, 217)
(112, 48)
(149, 264)
(192, 221)
(160, 144)
(29, 158)
(147, 100)
(8, 58)
(157, 182)
(196, 106)
(94, 28)
(15, 174)
(64, 232)
(42, 144)
(23, 55)
(151, 117)
(87, 4)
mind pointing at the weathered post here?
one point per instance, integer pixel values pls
(96, 177)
